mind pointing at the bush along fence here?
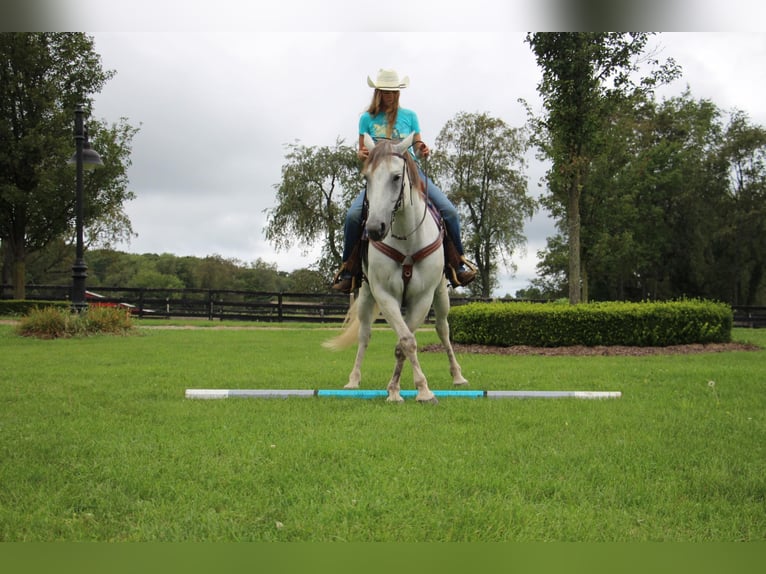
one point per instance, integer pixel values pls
(264, 306)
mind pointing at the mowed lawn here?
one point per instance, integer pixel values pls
(98, 443)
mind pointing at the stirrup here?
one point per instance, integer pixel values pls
(344, 281)
(345, 285)
(468, 275)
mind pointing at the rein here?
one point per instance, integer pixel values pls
(401, 199)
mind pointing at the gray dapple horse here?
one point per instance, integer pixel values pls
(405, 267)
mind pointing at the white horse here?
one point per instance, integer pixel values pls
(404, 267)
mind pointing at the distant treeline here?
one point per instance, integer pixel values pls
(110, 268)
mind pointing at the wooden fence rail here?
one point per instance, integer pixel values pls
(212, 304)
(220, 304)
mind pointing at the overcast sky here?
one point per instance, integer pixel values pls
(217, 102)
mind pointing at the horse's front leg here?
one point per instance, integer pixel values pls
(365, 311)
(441, 311)
(417, 311)
(407, 349)
(355, 377)
(394, 387)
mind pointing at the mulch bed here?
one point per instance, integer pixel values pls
(582, 350)
(575, 350)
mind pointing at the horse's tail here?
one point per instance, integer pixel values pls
(350, 334)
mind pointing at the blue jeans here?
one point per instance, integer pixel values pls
(352, 230)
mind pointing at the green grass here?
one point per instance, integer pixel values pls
(97, 442)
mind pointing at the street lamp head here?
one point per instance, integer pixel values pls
(90, 158)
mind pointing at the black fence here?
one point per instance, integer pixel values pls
(209, 304)
(754, 317)
(265, 306)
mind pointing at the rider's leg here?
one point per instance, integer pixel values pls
(458, 273)
(352, 234)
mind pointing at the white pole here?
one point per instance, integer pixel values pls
(376, 393)
(553, 394)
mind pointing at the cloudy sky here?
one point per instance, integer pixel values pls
(218, 99)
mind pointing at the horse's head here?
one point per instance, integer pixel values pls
(389, 173)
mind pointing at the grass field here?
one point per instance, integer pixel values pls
(98, 443)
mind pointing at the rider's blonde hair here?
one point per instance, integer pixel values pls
(376, 106)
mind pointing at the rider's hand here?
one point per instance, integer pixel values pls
(362, 153)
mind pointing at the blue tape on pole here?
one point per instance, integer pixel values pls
(409, 393)
(463, 394)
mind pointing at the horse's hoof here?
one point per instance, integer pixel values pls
(397, 399)
(351, 386)
(460, 383)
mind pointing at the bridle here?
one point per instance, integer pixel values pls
(400, 199)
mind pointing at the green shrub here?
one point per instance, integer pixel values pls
(110, 320)
(53, 322)
(614, 323)
(45, 323)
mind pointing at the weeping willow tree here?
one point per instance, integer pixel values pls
(479, 163)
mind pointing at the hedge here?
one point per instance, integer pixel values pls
(14, 307)
(648, 324)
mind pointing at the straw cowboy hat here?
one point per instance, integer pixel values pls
(388, 80)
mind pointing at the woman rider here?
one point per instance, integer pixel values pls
(385, 119)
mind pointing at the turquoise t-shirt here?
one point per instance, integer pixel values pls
(406, 124)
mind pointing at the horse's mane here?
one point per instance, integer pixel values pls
(385, 148)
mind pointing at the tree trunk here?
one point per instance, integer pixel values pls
(19, 285)
(573, 213)
(18, 263)
(5, 252)
(756, 275)
(584, 281)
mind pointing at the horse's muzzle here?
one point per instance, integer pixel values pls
(377, 232)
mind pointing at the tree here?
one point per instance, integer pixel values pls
(583, 73)
(318, 184)
(216, 272)
(479, 163)
(551, 269)
(678, 181)
(43, 76)
(654, 201)
(167, 271)
(744, 150)
(106, 188)
(261, 275)
(152, 279)
(674, 205)
(307, 281)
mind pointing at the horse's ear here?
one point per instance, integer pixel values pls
(405, 144)
(369, 143)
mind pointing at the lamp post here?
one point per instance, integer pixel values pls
(84, 158)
